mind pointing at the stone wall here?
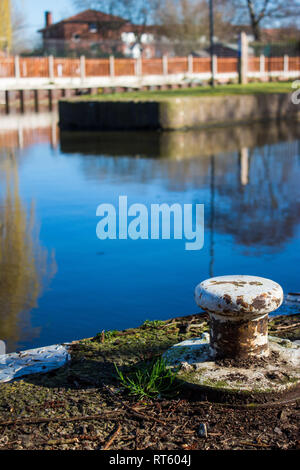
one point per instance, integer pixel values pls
(174, 112)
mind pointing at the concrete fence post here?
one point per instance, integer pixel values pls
(138, 66)
(111, 66)
(243, 58)
(286, 64)
(17, 67)
(82, 68)
(51, 67)
(165, 64)
(215, 65)
(190, 64)
(262, 65)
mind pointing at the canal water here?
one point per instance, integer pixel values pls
(59, 282)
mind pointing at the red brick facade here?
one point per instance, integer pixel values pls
(94, 33)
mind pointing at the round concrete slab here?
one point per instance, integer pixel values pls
(239, 296)
(268, 377)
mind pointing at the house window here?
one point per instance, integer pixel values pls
(128, 37)
(93, 28)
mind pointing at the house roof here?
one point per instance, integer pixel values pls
(89, 16)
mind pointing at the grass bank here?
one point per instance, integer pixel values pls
(220, 90)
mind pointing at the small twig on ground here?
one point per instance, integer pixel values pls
(62, 418)
(112, 438)
(57, 442)
(71, 440)
(252, 444)
(287, 327)
(137, 414)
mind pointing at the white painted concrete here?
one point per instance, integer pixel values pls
(239, 296)
(126, 81)
(196, 366)
(33, 361)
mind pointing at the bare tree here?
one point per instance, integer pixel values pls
(186, 22)
(138, 12)
(20, 41)
(266, 12)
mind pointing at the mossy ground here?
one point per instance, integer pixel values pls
(81, 405)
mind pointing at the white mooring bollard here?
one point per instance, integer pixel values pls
(238, 307)
(238, 357)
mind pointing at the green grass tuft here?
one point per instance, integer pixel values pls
(153, 323)
(152, 380)
(110, 334)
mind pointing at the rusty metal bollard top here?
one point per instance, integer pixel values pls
(238, 307)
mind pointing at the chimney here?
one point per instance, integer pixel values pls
(48, 18)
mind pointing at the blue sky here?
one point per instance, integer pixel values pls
(34, 12)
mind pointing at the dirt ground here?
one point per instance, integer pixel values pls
(82, 406)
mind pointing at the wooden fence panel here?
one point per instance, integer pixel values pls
(7, 67)
(254, 64)
(152, 66)
(34, 67)
(177, 65)
(201, 65)
(125, 67)
(274, 64)
(97, 67)
(294, 64)
(227, 65)
(66, 68)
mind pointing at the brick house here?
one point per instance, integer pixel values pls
(97, 34)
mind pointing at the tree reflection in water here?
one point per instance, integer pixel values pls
(25, 266)
(260, 209)
(247, 176)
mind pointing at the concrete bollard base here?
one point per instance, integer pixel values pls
(249, 380)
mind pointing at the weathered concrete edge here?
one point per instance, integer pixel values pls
(44, 359)
(33, 361)
(176, 112)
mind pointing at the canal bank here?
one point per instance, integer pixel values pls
(80, 406)
(179, 110)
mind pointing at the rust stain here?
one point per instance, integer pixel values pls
(227, 298)
(238, 339)
(240, 301)
(235, 283)
(259, 302)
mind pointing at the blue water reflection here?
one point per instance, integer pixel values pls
(247, 177)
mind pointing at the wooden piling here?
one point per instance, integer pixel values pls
(36, 100)
(7, 101)
(50, 99)
(22, 104)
